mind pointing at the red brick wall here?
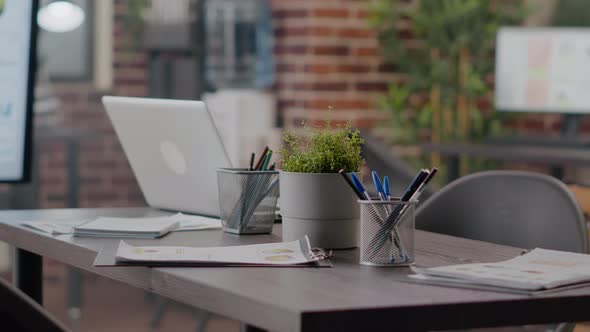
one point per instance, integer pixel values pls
(327, 55)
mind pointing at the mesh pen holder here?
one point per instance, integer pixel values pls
(387, 232)
(247, 200)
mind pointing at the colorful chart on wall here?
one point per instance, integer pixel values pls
(543, 70)
(17, 35)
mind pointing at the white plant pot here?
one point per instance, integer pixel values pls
(321, 206)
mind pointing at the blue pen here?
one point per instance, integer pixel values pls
(360, 186)
(386, 189)
(378, 185)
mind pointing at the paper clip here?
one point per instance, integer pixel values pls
(319, 254)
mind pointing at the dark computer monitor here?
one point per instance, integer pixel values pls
(18, 34)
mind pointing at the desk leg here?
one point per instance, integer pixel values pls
(452, 168)
(28, 274)
(250, 328)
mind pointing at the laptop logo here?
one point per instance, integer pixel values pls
(173, 158)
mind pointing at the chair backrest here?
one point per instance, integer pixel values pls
(516, 208)
(18, 312)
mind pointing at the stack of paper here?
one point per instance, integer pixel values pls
(295, 253)
(127, 227)
(537, 271)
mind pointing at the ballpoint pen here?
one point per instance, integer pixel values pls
(378, 185)
(386, 188)
(349, 182)
(360, 186)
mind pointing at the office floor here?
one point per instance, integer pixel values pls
(108, 305)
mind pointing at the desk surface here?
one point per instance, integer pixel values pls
(347, 297)
(548, 155)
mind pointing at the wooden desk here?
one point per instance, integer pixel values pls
(555, 157)
(348, 297)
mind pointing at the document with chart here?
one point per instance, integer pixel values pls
(295, 253)
(538, 270)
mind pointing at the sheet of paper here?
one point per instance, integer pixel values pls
(538, 269)
(282, 253)
(186, 223)
(195, 223)
(54, 227)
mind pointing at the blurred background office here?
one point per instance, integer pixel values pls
(416, 76)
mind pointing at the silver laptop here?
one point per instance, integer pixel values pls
(174, 150)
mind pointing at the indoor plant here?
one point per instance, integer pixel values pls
(315, 200)
(444, 49)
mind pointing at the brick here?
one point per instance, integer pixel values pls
(365, 122)
(298, 31)
(366, 51)
(331, 50)
(372, 86)
(340, 104)
(47, 180)
(355, 33)
(362, 14)
(129, 81)
(327, 86)
(94, 181)
(125, 181)
(56, 197)
(331, 12)
(101, 163)
(101, 196)
(321, 31)
(320, 68)
(354, 69)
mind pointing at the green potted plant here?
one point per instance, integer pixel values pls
(445, 51)
(315, 200)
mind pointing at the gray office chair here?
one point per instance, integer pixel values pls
(516, 208)
(19, 313)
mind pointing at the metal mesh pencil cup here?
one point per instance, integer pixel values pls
(247, 200)
(387, 232)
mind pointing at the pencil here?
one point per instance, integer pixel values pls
(252, 156)
(266, 160)
(261, 160)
